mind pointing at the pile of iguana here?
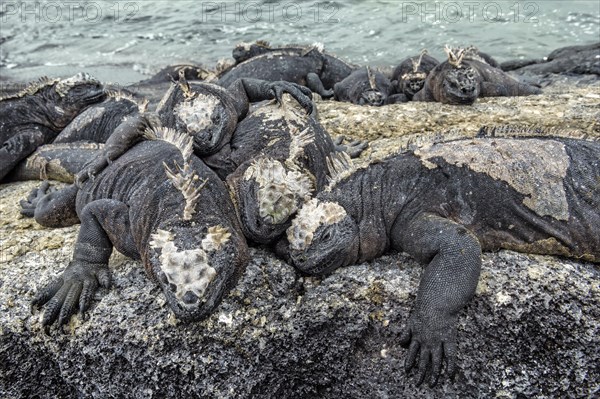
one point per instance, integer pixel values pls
(36, 115)
(159, 203)
(443, 204)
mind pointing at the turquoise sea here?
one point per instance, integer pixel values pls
(124, 41)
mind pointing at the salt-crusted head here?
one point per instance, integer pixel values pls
(372, 96)
(461, 82)
(414, 80)
(192, 265)
(269, 192)
(322, 237)
(204, 117)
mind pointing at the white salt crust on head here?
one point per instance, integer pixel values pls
(196, 112)
(279, 188)
(309, 218)
(190, 269)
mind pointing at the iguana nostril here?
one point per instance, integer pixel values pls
(189, 298)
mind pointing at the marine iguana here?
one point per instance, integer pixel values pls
(305, 65)
(409, 76)
(159, 203)
(275, 160)
(461, 81)
(434, 203)
(98, 121)
(210, 113)
(55, 162)
(35, 115)
(366, 87)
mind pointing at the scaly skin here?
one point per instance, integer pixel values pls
(158, 203)
(37, 114)
(365, 87)
(411, 73)
(461, 80)
(545, 197)
(267, 139)
(305, 65)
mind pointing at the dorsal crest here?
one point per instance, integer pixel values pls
(371, 76)
(339, 166)
(299, 141)
(31, 88)
(183, 141)
(455, 56)
(188, 183)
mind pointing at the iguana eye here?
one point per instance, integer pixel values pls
(327, 235)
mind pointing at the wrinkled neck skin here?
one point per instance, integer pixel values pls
(374, 197)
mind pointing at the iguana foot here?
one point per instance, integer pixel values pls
(431, 339)
(302, 94)
(28, 205)
(72, 291)
(353, 148)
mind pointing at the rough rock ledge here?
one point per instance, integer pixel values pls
(532, 330)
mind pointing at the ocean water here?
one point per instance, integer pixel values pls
(124, 41)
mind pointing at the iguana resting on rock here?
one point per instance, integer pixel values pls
(55, 162)
(410, 75)
(367, 87)
(443, 204)
(305, 65)
(275, 160)
(278, 152)
(210, 113)
(98, 121)
(159, 203)
(35, 115)
(460, 80)
(572, 60)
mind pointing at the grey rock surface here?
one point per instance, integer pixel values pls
(532, 330)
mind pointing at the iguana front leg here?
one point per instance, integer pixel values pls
(104, 224)
(453, 255)
(126, 135)
(314, 83)
(245, 91)
(19, 147)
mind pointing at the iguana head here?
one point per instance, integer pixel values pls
(372, 97)
(198, 109)
(460, 85)
(322, 238)
(412, 82)
(268, 194)
(70, 96)
(193, 265)
(460, 82)
(245, 51)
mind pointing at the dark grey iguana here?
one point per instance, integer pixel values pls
(274, 161)
(55, 162)
(571, 60)
(35, 115)
(366, 87)
(461, 80)
(411, 73)
(98, 121)
(159, 203)
(443, 204)
(210, 113)
(308, 66)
